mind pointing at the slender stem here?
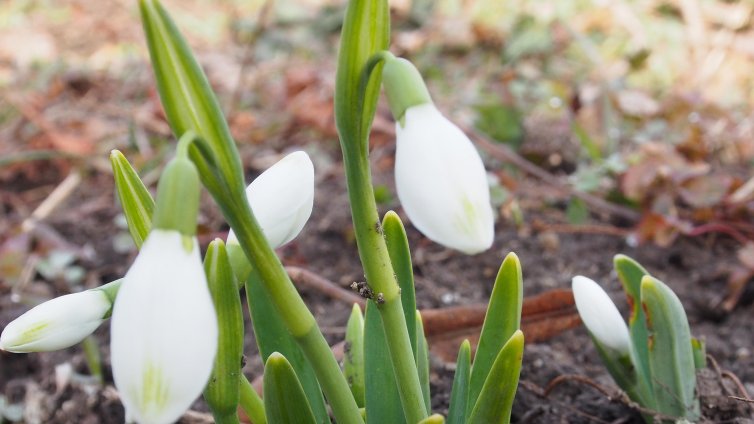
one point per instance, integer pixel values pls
(93, 357)
(251, 403)
(320, 356)
(379, 271)
(296, 316)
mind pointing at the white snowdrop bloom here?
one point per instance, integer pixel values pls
(57, 323)
(441, 181)
(282, 198)
(163, 330)
(600, 315)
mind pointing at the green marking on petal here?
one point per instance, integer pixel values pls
(467, 220)
(32, 333)
(154, 391)
(188, 243)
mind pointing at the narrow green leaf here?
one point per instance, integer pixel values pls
(422, 360)
(671, 360)
(284, 398)
(186, 95)
(623, 371)
(502, 320)
(137, 203)
(272, 336)
(383, 402)
(400, 257)
(366, 31)
(699, 348)
(251, 403)
(353, 358)
(459, 395)
(496, 398)
(630, 274)
(222, 392)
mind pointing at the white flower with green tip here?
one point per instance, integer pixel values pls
(282, 198)
(163, 330)
(57, 323)
(439, 175)
(600, 315)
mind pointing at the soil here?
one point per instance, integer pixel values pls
(52, 388)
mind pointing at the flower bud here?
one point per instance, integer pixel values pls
(600, 315)
(441, 181)
(163, 330)
(282, 198)
(57, 323)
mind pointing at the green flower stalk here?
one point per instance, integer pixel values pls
(164, 327)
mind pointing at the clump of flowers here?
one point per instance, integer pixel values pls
(176, 322)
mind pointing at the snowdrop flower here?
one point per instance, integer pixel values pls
(164, 329)
(439, 176)
(600, 315)
(57, 323)
(164, 332)
(282, 198)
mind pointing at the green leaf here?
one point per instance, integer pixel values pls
(400, 257)
(353, 358)
(496, 398)
(503, 123)
(366, 31)
(502, 320)
(630, 274)
(623, 370)
(137, 203)
(284, 398)
(577, 211)
(272, 336)
(459, 395)
(699, 348)
(222, 391)
(422, 360)
(186, 95)
(671, 360)
(383, 402)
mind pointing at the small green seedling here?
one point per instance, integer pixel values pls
(654, 359)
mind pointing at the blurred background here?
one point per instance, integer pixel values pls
(631, 120)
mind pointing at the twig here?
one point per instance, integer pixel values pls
(310, 279)
(581, 229)
(263, 22)
(610, 394)
(505, 154)
(61, 192)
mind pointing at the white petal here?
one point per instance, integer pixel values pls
(600, 315)
(163, 330)
(441, 181)
(282, 198)
(57, 323)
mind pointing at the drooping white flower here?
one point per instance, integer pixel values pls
(163, 330)
(441, 181)
(600, 315)
(57, 323)
(282, 198)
